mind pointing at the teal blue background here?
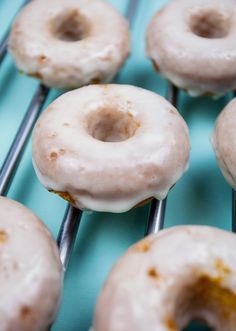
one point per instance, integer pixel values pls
(200, 197)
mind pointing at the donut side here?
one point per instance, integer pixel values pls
(196, 53)
(31, 270)
(223, 142)
(70, 43)
(166, 280)
(110, 147)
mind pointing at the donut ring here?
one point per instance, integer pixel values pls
(31, 270)
(70, 43)
(223, 141)
(169, 279)
(197, 52)
(109, 147)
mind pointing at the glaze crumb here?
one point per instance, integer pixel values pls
(143, 246)
(3, 236)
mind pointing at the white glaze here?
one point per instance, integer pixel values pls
(31, 271)
(38, 52)
(110, 176)
(223, 141)
(150, 287)
(199, 65)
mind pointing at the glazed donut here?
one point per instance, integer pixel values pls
(31, 271)
(169, 279)
(192, 44)
(223, 141)
(67, 44)
(109, 147)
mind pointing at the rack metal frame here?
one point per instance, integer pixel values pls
(72, 218)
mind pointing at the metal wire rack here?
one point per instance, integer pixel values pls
(72, 218)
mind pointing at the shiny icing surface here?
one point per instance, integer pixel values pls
(166, 280)
(223, 141)
(109, 147)
(31, 271)
(70, 43)
(197, 52)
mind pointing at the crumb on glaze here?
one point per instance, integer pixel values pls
(152, 273)
(142, 246)
(42, 59)
(3, 236)
(53, 156)
(26, 312)
(221, 267)
(170, 324)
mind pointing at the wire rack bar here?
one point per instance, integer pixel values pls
(233, 210)
(4, 41)
(3, 46)
(68, 232)
(158, 207)
(131, 10)
(156, 216)
(16, 150)
(233, 226)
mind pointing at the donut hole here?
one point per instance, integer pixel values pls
(207, 301)
(197, 326)
(70, 26)
(111, 125)
(210, 24)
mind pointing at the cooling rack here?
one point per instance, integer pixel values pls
(201, 197)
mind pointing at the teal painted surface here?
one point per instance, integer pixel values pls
(200, 197)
